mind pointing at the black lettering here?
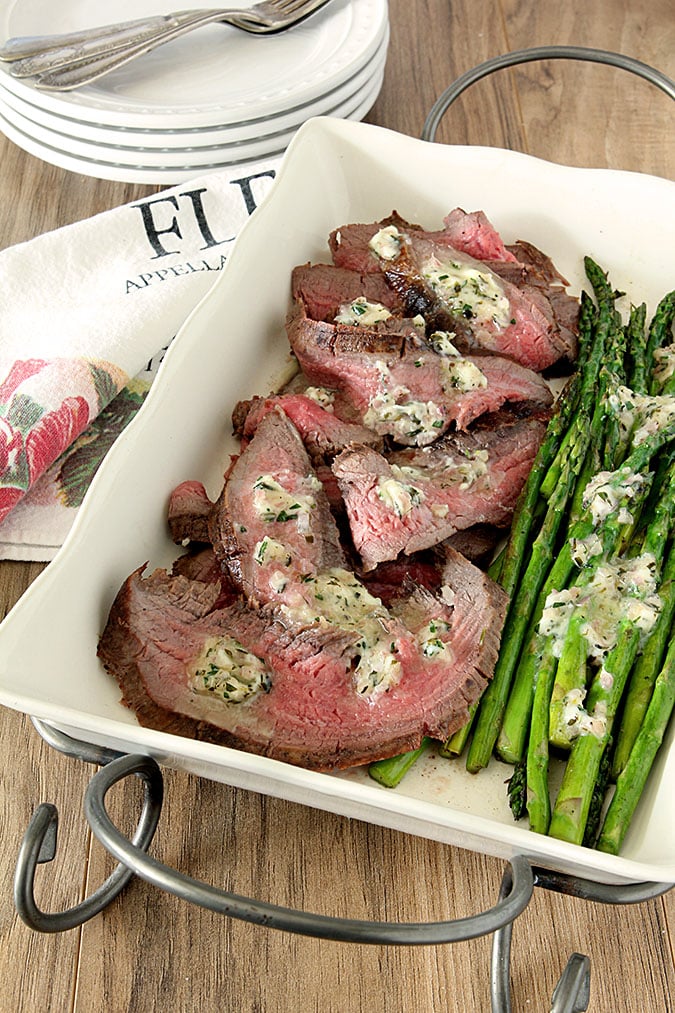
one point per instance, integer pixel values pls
(245, 185)
(198, 207)
(152, 231)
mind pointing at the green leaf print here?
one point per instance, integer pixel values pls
(78, 465)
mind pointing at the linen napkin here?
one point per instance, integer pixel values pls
(86, 314)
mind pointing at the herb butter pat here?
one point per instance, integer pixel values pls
(469, 292)
(274, 503)
(387, 243)
(227, 671)
(361, 313)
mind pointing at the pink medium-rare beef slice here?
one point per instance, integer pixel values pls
(272, 523)
(463, 296)
(473, 233)
(469, 232)
(417, 498)
(465, 280)
(323, 433)
(351, 687)
(326, 290)
(402, 388)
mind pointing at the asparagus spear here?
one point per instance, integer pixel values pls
(660, 329)
(638, 376)
(633, 777)
(538, 793)
(390, 772)
(645, 672)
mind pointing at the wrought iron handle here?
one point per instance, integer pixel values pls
(39, 846)
(453, 91)
(273, 916)
(571, 994)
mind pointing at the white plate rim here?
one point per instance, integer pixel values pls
(191, 137)
(164, 172)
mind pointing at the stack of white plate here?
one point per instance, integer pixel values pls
(212, 99)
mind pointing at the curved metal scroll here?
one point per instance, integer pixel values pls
(629, 63)
(274, 916)
(39, 846)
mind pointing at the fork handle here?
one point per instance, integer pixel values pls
(75, 73)
(91, 40)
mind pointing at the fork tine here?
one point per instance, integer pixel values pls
(288, 7)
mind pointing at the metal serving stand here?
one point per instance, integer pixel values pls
(572, 992)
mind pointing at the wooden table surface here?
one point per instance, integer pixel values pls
(149, 951)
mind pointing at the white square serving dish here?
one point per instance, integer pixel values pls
(233, 346)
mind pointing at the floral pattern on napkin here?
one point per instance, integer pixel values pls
(45, 405)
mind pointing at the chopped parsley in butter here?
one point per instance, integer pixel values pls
(227, 671)
(468, 291)
(429, 638)
(335, 597)
(361, 313)
(576, 721)
(607, 492)
(322, 396)
(397, 495)
(274, 503)
(441, 342)
(405, 419)
(620, 590)
(641, 415)
(462, 374)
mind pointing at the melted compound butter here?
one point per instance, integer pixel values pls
(274, 503)
(442, 342)
(336, 598)
(447, 471)
(641, 415)
(608, 490)
(387, 243)
(429, 638)
(620, 590)
(405, 419)
(323, 397)
(397, 495)
(575, 720)
(362, 313)
(462, 374)
(228, 672)
(468, 292)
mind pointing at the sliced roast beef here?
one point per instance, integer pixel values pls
(325, 290)
(402, 388)
(459, 294)
(297, 691)
(473, 233)
(188, 513)
(272, 523)
(465, 280)
(323, 433)
(416, 498)
(201, 565)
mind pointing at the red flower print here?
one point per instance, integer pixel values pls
(19, 372)
(9, 497)
(54, 433)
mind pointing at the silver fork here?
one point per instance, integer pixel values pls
(65, 62)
